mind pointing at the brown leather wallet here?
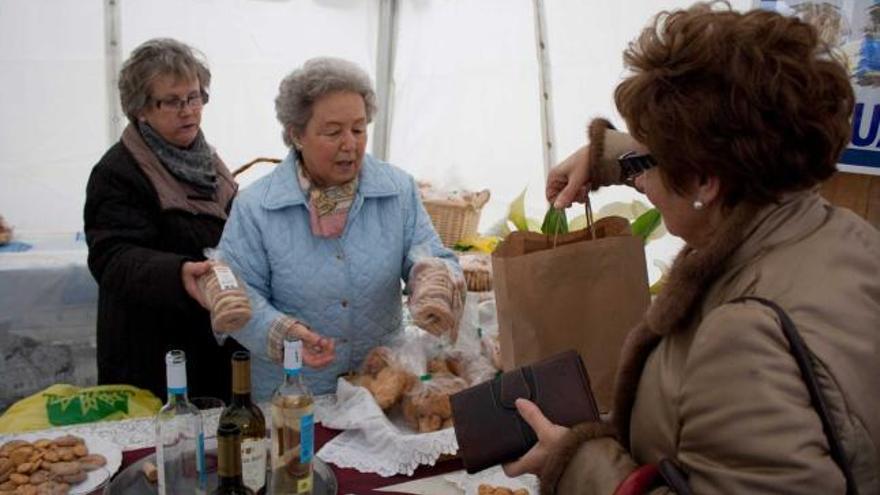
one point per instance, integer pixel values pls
(487, 425)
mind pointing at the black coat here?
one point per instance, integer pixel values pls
(135, 253)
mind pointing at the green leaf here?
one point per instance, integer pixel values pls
(646, 223)
(554, 222)
(517, 212)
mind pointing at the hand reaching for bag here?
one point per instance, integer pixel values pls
(318, 351)
(549, 436)
(569, 181)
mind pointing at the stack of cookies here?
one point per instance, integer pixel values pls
(477, 268)
(227, 298)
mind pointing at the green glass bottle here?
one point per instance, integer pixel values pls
(229, 461)
(250, 420)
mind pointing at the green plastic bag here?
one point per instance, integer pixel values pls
(63, 404)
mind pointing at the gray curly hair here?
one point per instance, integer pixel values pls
(154, 58)
(319, 76)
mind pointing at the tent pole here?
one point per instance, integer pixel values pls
(113, 62)
(546, 87)
(384, 77)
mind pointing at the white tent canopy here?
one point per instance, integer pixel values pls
(465, 95)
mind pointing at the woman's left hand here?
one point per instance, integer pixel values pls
(549, 435)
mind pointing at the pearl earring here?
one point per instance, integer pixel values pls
(698, 205)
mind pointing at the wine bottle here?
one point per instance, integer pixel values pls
(229, 461)
(293, 427)
(250, 420)
(180, 441)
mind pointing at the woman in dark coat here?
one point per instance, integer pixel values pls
(154, 202)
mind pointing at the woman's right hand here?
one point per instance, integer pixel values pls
(549, 436)
(318, 351)
(569, 181)
(190, 271)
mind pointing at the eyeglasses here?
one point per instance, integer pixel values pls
(633, 164)
(175, 104)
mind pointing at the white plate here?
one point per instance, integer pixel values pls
(96, 445)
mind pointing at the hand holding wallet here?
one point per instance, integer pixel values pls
(488, 427)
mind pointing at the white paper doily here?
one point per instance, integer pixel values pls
(470, 483)
(372, 443)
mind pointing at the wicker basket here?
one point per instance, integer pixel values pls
(456, 219)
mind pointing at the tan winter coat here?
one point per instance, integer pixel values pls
(712, 384)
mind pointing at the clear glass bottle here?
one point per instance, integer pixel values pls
(293, 427)
(250, 420)
(180, 441)
(229, 461)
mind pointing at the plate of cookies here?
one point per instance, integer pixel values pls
(59, 464)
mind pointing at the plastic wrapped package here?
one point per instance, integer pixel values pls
(225, 294)
(426, 406)
(5, 231)
(437, 299)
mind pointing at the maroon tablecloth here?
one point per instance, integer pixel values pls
(349, 480)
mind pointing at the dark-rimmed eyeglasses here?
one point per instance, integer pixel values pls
(175, 104)
(633, 164)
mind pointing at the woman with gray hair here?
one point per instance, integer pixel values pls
(324, 241)
(154, 202)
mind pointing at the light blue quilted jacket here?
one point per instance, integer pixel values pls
(348, 288)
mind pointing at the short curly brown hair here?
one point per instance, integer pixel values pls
(755, 99)
(152, 59)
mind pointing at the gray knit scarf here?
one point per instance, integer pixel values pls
(194, 165)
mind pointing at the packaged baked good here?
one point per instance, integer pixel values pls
(225, 295)
(426, 406)
(5, 231)
(437, 299)
(477, 268)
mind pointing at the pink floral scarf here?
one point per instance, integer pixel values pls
(328, 206)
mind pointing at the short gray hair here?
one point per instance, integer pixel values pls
(154, 58)
(319, 76)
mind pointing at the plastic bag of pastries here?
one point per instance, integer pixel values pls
(225, 294)
(426, 406)
(5, 231)
(384, 377)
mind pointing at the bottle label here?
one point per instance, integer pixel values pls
(225, 277)
(200, 461)
(253, 463)
(307, 438)
(292, 356)
(175, 373)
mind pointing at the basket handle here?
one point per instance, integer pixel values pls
(254, 162)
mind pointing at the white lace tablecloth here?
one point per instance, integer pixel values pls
(371, 442)
(128, 434)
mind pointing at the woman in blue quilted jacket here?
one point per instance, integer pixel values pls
(325, 240)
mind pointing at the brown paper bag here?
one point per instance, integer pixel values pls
(584, 294)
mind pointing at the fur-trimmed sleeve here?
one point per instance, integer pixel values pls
(606, 145)
(587, 460)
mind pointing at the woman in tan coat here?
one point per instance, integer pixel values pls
(734, 120)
